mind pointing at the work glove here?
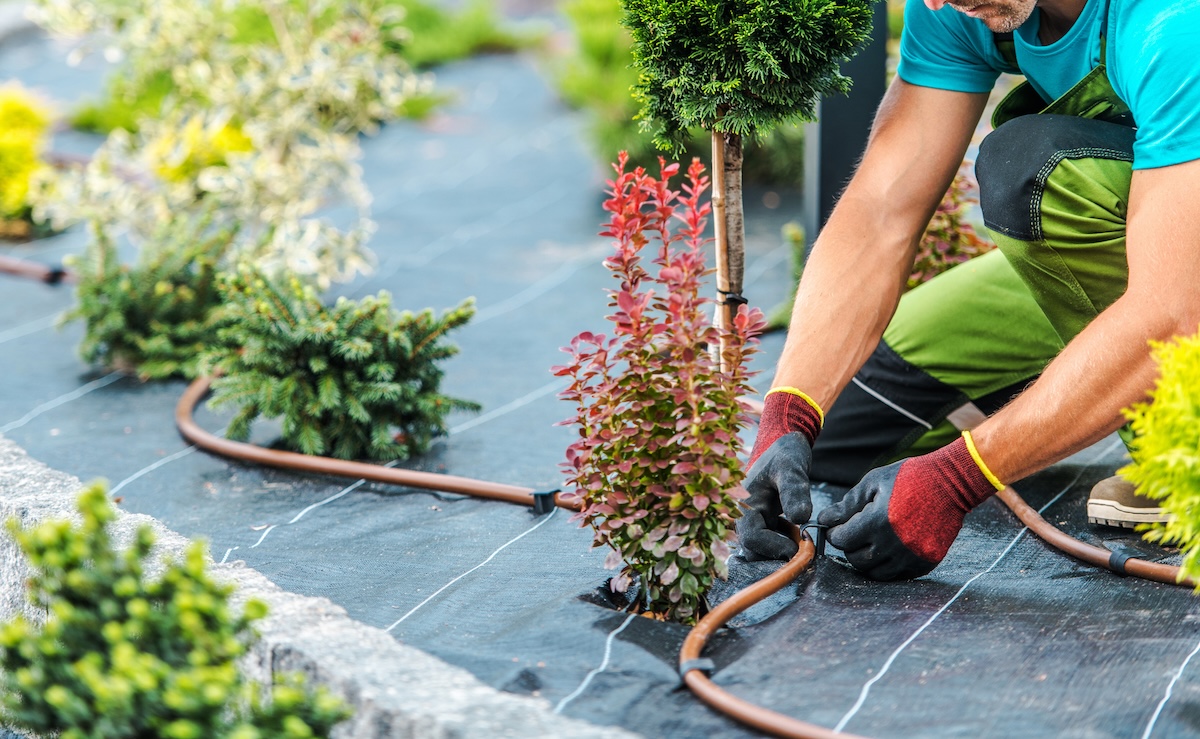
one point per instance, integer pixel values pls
(778, 478)
(900, 520)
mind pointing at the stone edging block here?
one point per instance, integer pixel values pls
(395, 690)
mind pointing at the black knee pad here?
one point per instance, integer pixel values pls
(1016, 159)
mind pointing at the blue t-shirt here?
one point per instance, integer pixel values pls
(1152, 57)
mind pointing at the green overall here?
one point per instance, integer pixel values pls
(1054, 185)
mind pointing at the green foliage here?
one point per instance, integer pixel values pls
(950, 238)
(427, 35)
(122, 656)
(656, 460)
(1166, 448)
(124, 102)
(437, 35)
(152, 318)
(342, 378)
(599, 77)
(739, 66)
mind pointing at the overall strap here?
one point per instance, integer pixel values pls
(1104, 32)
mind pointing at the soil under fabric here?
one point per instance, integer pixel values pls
(499, 198)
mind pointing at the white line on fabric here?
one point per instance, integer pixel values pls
(28, 328)
(890, 404)
(151, 467)
(1170, 687)
(510, 407)
(504, 546)
(228, 551)
(264, 535)
(603, 665)
(62, 400)
(531, 293)
(524, 400)
(862, 696)
(349, 488)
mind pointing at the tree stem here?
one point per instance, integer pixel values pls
(729, 225)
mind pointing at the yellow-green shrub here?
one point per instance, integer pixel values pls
(122, 655)
(1166, 447)
(24, 121)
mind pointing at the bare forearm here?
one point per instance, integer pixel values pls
(1079, 398)
(856, 272)
(851, 284)
(1108, 366)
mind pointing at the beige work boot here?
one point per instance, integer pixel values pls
(1114, 502)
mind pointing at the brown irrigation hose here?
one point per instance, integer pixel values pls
(328, 466)
(691, 665)
(1117, 561)
(34, 270)
(706, 690)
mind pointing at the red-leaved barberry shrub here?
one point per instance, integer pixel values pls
(656, 460)
(949, 239)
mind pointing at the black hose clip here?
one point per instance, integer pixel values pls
(54, 275)
(543, 501)
(1118, 558)
(731, 298)
(703, 664)
(818, 538)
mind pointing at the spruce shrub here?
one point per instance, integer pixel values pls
(152, 319)
(122, 655)
(656, 461)
(355, 380)
(1166, 448)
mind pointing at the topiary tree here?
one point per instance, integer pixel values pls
(356, 380)
(656, 460)
(124, 656)
(737, 68)
(152, 318)
(1166, 448)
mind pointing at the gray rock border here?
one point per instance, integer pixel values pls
(395, 690)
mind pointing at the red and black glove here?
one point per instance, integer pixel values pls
(900, 520)
(778, 478)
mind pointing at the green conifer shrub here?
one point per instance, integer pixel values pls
(1166, 448)
(122, 655)
(355, 380)
(152, 318)
(737, 68)
(597, 76)
(740, 67)
(656, 459)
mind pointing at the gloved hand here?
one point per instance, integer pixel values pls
(900, 520)
(778, 478)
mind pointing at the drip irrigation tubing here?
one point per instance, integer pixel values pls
(692, 666)
(208, 441)
(35, 270)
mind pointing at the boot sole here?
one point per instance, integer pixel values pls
(1109, 513)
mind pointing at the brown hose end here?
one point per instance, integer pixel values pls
(1119, 562)
(693, 667)
(34, 270)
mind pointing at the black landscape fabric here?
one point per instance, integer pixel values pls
(498, 198)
